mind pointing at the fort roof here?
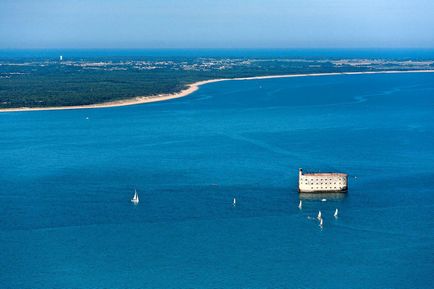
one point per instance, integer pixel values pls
(325, 174)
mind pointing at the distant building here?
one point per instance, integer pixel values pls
(322, 182)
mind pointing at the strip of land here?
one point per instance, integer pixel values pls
(194, 87)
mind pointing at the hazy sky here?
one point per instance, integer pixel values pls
(216, 23)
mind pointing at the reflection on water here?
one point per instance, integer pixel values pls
(321, 196)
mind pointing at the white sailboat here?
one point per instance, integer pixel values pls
(321, 222)
(319, 217)
(234, 202)
(300, 205)
(135, 199)
(336, 214)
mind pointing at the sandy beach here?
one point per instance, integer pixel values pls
(194, 87)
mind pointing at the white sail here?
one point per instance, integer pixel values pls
(300, 205)
(135, 198)
(320, 222)
(235, 202)
(319, 215)
(336, 213)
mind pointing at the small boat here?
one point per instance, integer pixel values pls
(320, 222)
(300, 205)
(135, 199)
(336, 214)
(319, 217)
(234, 202)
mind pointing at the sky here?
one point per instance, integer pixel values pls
(216, 24)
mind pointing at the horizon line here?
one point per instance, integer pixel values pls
(216, 48)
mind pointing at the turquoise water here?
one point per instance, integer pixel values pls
(66, 182)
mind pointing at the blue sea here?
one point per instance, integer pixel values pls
(67, 177)
(313, 53)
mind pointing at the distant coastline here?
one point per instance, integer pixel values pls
(194, 87)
